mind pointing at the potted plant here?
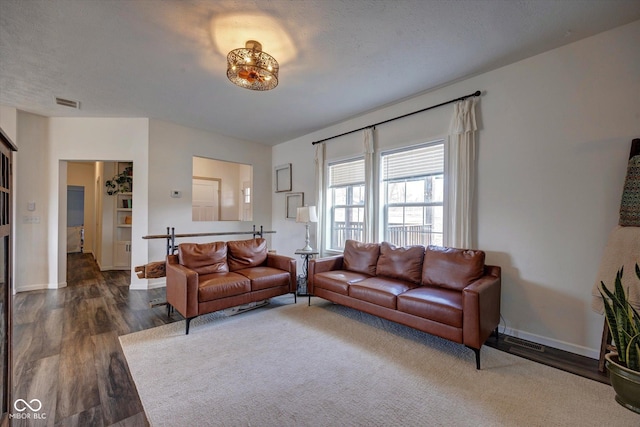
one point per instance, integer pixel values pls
(120, 183)
(624, 364)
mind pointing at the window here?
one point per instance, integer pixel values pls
(345, 199)
(413, 192)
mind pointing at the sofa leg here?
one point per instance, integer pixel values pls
(477, 352)
(189, 319)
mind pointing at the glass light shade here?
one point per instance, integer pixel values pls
(251, 68)
(306, 214)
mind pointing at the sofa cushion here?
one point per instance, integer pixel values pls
(400, 263)
(361, 257)
(337, 280)
(222, 285)
(246, 253)
(379, 290)
(451, 268)
(433, 303)
(204, 258)
(265, 277)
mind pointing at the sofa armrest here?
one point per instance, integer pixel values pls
(285, 263)
(481, 307)
(182, 287)
(322, 265)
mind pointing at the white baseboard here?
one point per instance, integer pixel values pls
(40, 286)
(550, 342)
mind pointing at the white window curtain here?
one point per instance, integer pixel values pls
(320, 205)
(368, 185)
(460, 176)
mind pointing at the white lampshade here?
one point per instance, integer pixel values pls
(306, 214)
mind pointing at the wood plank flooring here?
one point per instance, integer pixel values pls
(66, 351)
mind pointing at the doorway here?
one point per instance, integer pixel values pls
(75, 219)
(206, 199)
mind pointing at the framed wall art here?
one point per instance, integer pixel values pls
(292, 202)
(282, 175)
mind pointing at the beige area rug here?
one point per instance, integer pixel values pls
(326, 365)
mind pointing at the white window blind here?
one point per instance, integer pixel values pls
(415, 162)
(346, 173)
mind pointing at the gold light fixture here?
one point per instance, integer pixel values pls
(251, 68)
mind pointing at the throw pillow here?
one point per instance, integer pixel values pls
(247, 253)
(451, 268)
(361, 257)
(403, 263)
(204, 258)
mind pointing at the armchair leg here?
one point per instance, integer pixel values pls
(189, 319)
(497, 334)
(477, 352)
(309, 304)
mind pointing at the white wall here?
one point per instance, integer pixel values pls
(554, 140)
(31, 252)
(171, 150)
(45, 146)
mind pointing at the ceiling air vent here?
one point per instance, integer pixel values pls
(68, 103)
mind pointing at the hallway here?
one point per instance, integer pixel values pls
(66, 351)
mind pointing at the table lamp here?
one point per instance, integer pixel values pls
(306, 215)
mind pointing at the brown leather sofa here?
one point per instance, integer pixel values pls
(207, 277)
(446, 292)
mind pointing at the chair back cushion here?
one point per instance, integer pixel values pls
(451, 268)
(204, 258)
(361, 257)
(403, 263)
(247, 253)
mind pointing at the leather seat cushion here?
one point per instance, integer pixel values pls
(204, 258)
(433, 303)
(361, 257)
(452, 268)
(222, 285)
(338, 280)
(404, 263)
(380, 291)
(265, 277)
(246, 253)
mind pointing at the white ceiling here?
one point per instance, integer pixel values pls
(166, 59)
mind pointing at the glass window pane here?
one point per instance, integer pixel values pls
(340, 196)
(339, 214)
(358, 195)
(395, 192)
(416, 191)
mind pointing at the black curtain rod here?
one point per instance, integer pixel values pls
(462, 98)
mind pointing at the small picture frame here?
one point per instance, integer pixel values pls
(282, 176)
(292, 202)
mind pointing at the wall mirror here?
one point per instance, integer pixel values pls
(221, 190)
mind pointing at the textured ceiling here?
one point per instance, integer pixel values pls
(166, 59)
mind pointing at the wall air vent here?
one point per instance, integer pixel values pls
(68, 103)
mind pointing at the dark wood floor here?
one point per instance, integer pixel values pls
(66, 351)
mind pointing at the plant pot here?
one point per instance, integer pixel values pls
(625, 382)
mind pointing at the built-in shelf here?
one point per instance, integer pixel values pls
(122, 230)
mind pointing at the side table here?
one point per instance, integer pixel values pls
(302, 278)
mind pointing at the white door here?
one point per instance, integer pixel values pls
(206, 200)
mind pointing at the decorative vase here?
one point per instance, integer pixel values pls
(625, 382)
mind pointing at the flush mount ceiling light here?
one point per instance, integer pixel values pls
(251, 68)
